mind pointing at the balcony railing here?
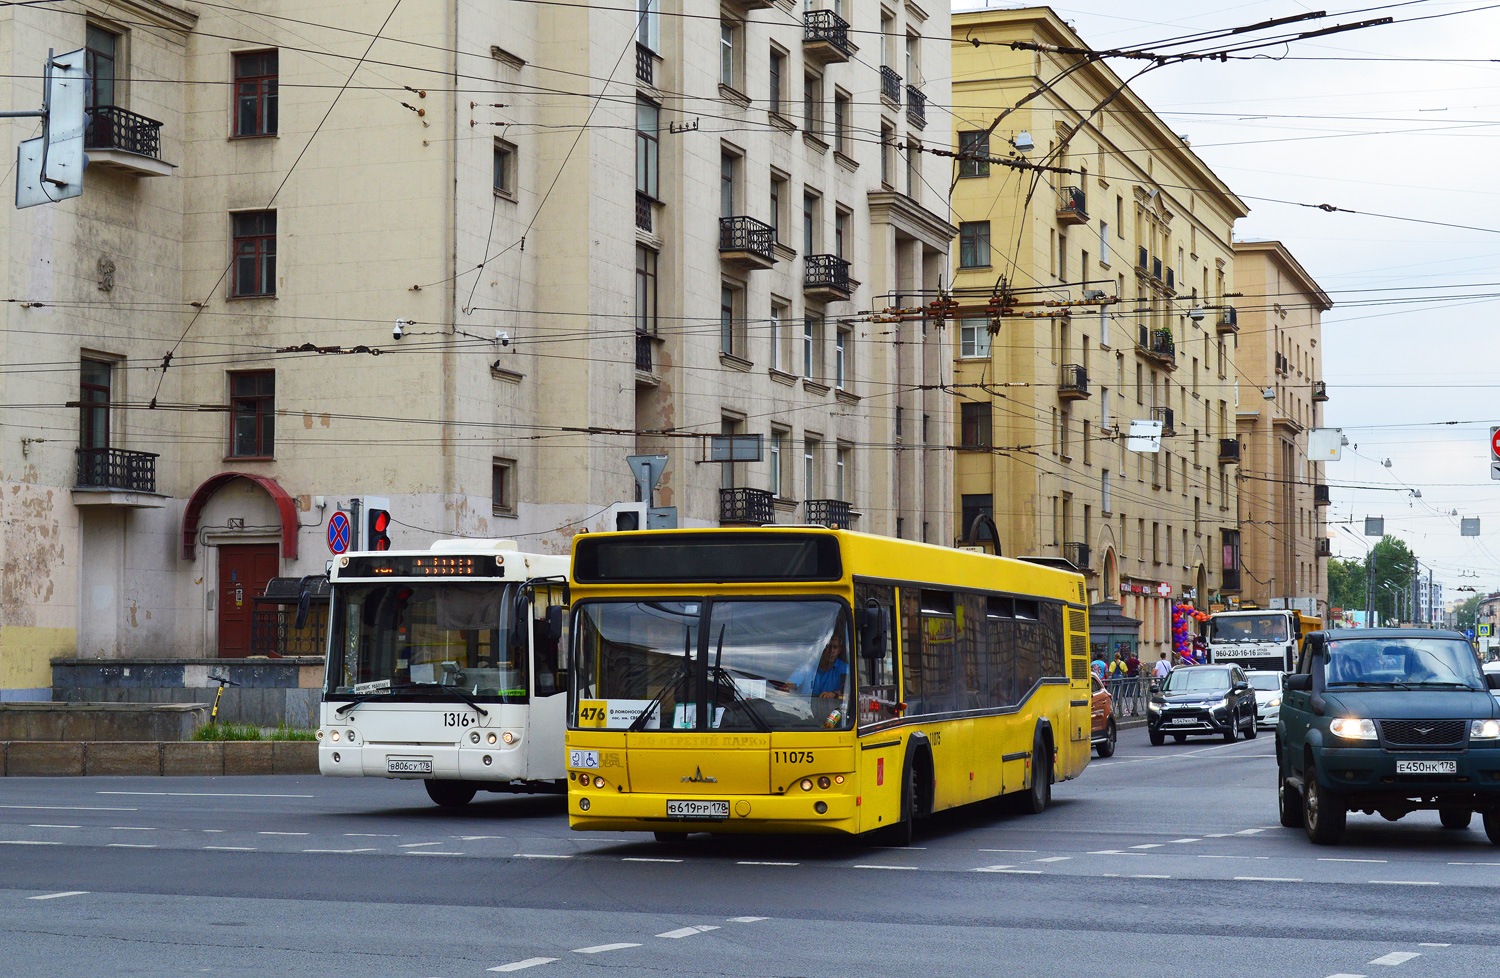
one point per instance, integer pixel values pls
(1320, 494)
(115, 468)
(746, 241)
(1073, 384)
(1157, 343)
(1229, 450)
(1142, 259)
(1156, 268)
(1325, 547)
(643, 343)
(916, 106)
(111, 127)
(1229, 320)
(1071, 207)
(645, 64)
(1320, 390)
(1164, 415)
(643, 204)
(828, 512)
(890, 84)
(1076, 554)
(826, 277)
(750, 507)
(825, 36)
(1229, 579)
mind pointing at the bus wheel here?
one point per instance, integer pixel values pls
(1035, 801)
(450, 794)
(903, 832)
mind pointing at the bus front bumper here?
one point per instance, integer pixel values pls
(794, 812)
(449, 762)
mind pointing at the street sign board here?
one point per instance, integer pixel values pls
(1325, 444)
(1495, 443)
(1145, 436)
(1469, 632)
(49, 168)
(338, 532)
(1374, 526)
(1484, 630)
(1468, 526)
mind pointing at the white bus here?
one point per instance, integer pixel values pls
(443, 666)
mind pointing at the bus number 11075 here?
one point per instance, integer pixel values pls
(792, 756)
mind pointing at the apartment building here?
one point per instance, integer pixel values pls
(1046, 394)
(1283, 496)
(599, 232)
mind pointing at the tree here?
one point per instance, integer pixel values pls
(1466, 612)
(1394, 566)
(1346, 583)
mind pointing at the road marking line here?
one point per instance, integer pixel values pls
(1148, 845)
(1346, 859)
(601, 948)
(26, 842)
(689, 931)
(1269, 879)
(1007, 850)
(763, 862)
(1407, 882)
(1342, 975)
(388, 835)
(903, 848)
(1218, 835)
(991, 869)
(746, 920)
(1150, 876)
(1433, 944)
(431, 852)
(1052, 859)
(231, 848)
(471, 838)
(291, 833)
(219, 831)
(130, 845)
(55, 826)
(647, 859)
(1249, 831)
(202, 794)
(415, 845)
(1113, 852)
(1113, 876)
(522, 965)
(1019, 872)
(365, 850)
(132, 828)
(540, 855)
(57, 896)
(64, 808)
(1187, 840)
(874, 866)
(1396, 957)
(1202, 855)
(1450, 864)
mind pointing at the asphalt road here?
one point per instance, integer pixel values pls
(1158, 861)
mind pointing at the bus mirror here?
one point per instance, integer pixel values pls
(554, 623)
(873, 622)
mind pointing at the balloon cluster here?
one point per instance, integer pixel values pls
(1183, 616)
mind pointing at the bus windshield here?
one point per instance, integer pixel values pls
(396, 638)
(1247, 628)
(722, 664)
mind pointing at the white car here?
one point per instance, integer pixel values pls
(1490, 669)
(1267, 686)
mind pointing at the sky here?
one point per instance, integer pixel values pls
(1410, 346)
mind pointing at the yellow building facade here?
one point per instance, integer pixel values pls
(1044, 404)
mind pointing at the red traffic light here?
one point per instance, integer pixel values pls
(379, 523)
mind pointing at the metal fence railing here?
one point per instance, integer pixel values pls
(1130, 694)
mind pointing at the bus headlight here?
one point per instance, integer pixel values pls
(583, 804)
(508, 737)
(349, 734)
(334, 736)
(474, 737)
(806, 784)
(598, 782)
(320, 734)
(492, 737)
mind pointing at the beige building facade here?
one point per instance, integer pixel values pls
(1137, 229)
(1283, 499)
(599, 232)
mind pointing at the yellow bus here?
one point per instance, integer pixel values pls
(807, 680)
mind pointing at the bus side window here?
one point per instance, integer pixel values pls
(911, 650)
(546, 619)
(877, 674)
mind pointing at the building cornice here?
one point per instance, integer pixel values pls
(156, 13)
(1278, 252)
(901, 211)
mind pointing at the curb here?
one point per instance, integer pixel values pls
(189, 759)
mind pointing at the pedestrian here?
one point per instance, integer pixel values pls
(1132, 681)
(1117, 673)
(1162, 667)
(1098, 668)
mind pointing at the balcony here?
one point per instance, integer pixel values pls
(1070, 206)
(115, 477)
(1156, 268)
(746, 243)
(643, 205)
(1077, 554)
(643, 352)
(1283, 364)
(1320, 494)
(1229, 451)
(1073, 384)
(890, 85)
(746, 507)
(747, 6)
(832, 513)
(1229, 320)
(1158, 345)
(1229, 579)
(1142, 261)
(916, 107)
(1164, 415)
(645, 64)
(826, 278)
(1325, 547)
(825, 37)
(118, 139)
(1320, 390)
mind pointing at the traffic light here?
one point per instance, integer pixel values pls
(625, 516)
(378, 524)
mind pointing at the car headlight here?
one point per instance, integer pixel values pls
(1273, 702)
(1484, 730)
(1154, 706)
(1352, 729)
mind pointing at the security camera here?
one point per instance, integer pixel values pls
(400, 328)
(502, 337)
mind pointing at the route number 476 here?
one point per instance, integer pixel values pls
(590, 713)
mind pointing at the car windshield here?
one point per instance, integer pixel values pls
(1402, 661)
(722, 665)
(386, 639)
(1194, 680)
(1247, 628)
(1265, 681)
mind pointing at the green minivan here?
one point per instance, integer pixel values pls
(1387, 721)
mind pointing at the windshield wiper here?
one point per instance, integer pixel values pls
(722, 675)
(457, 691)
(683, 671)
(1369, 683)
(1444, 682)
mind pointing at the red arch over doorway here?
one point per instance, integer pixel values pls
(284, 505)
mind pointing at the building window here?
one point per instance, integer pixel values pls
(1109, 499)
(777, 96)
(843, 473)
(812, 103)
(780, 472)
(974, 244)
(503, 487)
(812, 332)
(973, 506)
(645, 290)
(913, 169)
(252, 414)
(778, 197)
(647, 148)
(1103, 248)
(255, 253)
(255, 97)
(731, 323)
(727, 169)
(974, 338)
(887, 156)
(729, 36)
(505, 169)
(100, 51)
(648, 24)
(841, 220)
(974, 424)
(95, 378)
(842, 114)
(779, 314)
(812, 476)
(811, 220)
(977, 144)
(842, 343)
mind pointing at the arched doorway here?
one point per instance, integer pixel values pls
(1109, 576)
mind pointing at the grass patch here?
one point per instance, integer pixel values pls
(227, 731)
(283, 732)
